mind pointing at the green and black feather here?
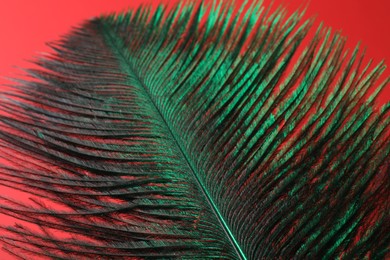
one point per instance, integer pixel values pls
(198, 132)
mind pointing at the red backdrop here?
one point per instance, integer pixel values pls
(25, 26)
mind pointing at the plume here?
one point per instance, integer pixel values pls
(200, 131)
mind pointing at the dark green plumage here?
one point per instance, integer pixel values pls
(198, 133)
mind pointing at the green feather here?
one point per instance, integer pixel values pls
(198, 132)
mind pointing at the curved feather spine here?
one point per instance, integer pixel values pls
(118, 45)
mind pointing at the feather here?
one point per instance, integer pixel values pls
(197, 132)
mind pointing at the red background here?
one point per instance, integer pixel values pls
(25, 26)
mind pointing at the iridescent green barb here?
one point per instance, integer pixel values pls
(198, 132)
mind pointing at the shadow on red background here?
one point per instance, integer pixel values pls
(25, 26)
